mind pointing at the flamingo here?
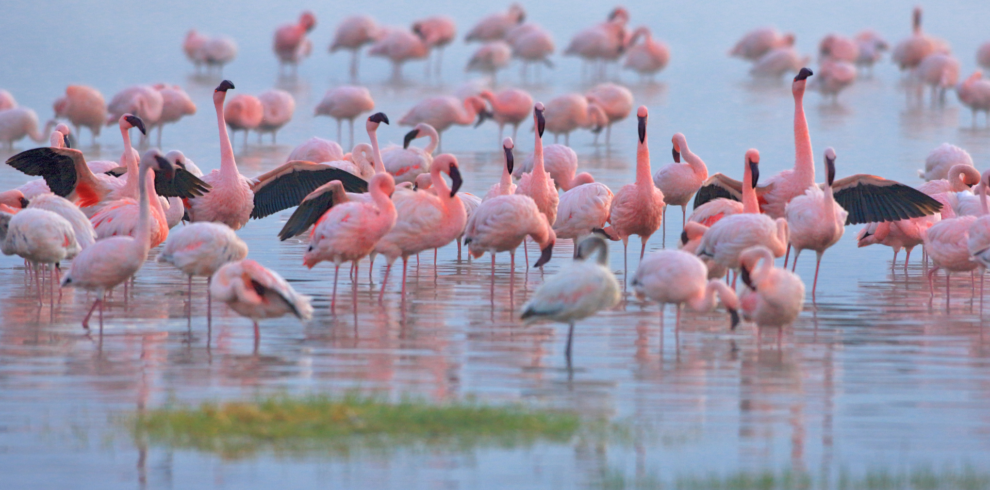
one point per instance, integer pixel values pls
(490, 58)
(974, 92)
(538, 184)
(691, 239)
(244, 112)
(960, 177)
(559, 160)
(509, 106)
(679, 181)
(399, 46)
(648, 57)
(568, 112)
(778, 62)
(601, 42)
(871, 47)
(346, 102)
(38, 236)
(615, 100)
(833, 77)
(437, 32)
(444, 111)
(18, 122)
(109, 262)
(425, 220)
(352, 34)
(505, 186)
(176, 104)
(317, 150)
(909, 52)
(82, 106)
(256, 292)
(940, 71)
(943, 158)
(210, 51)
(81, 226)
(837, 47)
(946, 242)
(978, 243)
(144, 101)
(904, 234)
(576, 292)
(638, 207)
(6, 100)
(758, 42)
(502, 223)
(494, 26)
(408, 162)
(773, 297)
(678, 277)
(583, 209)
(532, 44)
(349, 231)
(814, 220)
(291, 44)
(121, 217)
(199, 249)
(277, 107)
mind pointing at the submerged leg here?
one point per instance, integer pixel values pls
(570, 339)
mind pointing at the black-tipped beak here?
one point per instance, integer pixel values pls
(803, 74)
(409, 137)
(457, 181)
(830, 168)
(24, 203)
(378, 117)
(510, 160)
(748, 281)
(482, 115)
(467, 241)
(545, 256)
(136, 122)
(642, 129)
(677, 155)
(613, 14)
(684, 237)
(65, 141)
(181, 164)
(735, 319)
(541, 122)
(754, 169)
(225, 86)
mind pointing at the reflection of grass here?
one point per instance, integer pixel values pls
(293, 424)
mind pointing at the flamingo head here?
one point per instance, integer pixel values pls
(411, 135)
(455, 177)
(541, 122)
(830, 164)
(619, 14)
(676, 150)
(220, 93)
(307, 20)
(507, 147)
(753, 162)
(128, 121)
(517, 10)
(641, 114)
(375, 120)
(546, 254)
(916, 19)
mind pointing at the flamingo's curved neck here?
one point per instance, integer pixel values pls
(804, 158)
(376, 154)
(470, 112)
(434, 139)
(443, 190)
(127, 160)
(983, 200)
(506, 182)
(39, 137)
(696, 163)
(228, 166)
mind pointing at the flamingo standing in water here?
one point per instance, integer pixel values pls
(501, 223)
(18, 122)
(122, 217)
(39, 237)
(176, 104)
(815, 221)
(638, 207)
(941, 159)
(212, 51)
(600, 43)
(648, 57)
(505, 186)
(583, 209)
(773, 297)
(345, 103)
(678, 277)
(940, 71)
(509, 106)
(317, 150)
(947, 242)
(444, 111)
(256, 292)
(291, 44)
(84, 107)
(399, 46)
(559, 160)
(978, 243)
(352, 34)
(615, 100)
(576, 292)
(909, 52)
(81, 226)
(437, 32)
(349, 231)
(974, 92)
(244, 112)
(490, 58)
(679, 181)
(6, 100)
(199, 249)
(494, 26)
(758, 42)
(568, 112)
(277, 107)
(407, 163)
(144, 101)
(532, 44)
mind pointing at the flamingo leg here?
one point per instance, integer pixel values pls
(37, 282)
(683, 215)
(570, 339)
(815, 284)
(663, 242)
(405, 263)
(493, 265)
(371, 269)
(257, 336)
(526, 252)
(788, 256)
(625, 260)
(189, 303)
(209, 301)
(797, 253)
(906, 259)
(642, 250)
(931, 284)
(85, 322)
(333, 302)
(512, 262)
(384, 282)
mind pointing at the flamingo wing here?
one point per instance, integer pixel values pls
(718, 185)
(288, 184)
(179, 182)
(116, 172)
(63, 169)
(869, 198)
(312, 208)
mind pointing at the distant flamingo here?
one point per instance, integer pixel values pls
(256, 292)
(244, 112)
(773, 297)
(532, 44)
(437, 32)
(399, 46)
(837, 47)
(941, 159)
(349, 231)
(19, 122)
(909, 52)
(316, 150)
(406, 163)
(778, 62)
(833, 77)
(602, 42)
(425, 220)
(352, 34)
(583, 288)
(871, 47)
(559, 160)
(144, 101)
(199, 249)
(638, 207)
(38, 236)
(210, 51)
(905, 234)
(490, 58)
(291, 44)
(940, 71)
(82, 106)
(758, 42)
(583, 209)
(974, 93)
(347, 102)
(6, 100)
(176, 104)
(679, 181)
(648, 57)
(109, 262)
(277, 107)
(509, 106)
(444, 111)
(568, 112)
(505, 186)
(678, 277)
(615, 100)
(814, 220)
(494, 26)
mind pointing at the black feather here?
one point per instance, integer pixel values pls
(290, 189)
(116, 172)
(182, 184)
(870, 203)
(58, 170)
(306, 215)
(711, 192)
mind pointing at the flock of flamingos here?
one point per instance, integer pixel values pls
(396, 202)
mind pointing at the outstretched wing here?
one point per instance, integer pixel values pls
(312, 208)
(869, 198)
(182, 183)
(291, 182)
(60, 167)
(717, 186)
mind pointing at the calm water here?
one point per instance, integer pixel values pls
(873, 377)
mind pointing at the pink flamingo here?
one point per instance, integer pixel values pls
(444, 111)
(974, 92)
(6, 100)
(244, 112)
(615, 100)
(943, 158)
(121, 217)
(576, 292)
(710, 212)
(778, 62)
(679, 181)
(946, 242)
(349, 231)
(509, 106)
(81, 226)
(691, 239)
(903, 234)
(909, 52)
(399, 46)
(648, 57)
(210, 51)
(837, 47)
(833, 77)
(256, 292)
(602, 42)
(502, 223)
(437, 32)
(773, 297)
(490, 58)
(141, 100)
(347, 102)
(176, 104)
(583, 209)
(960, 177)
(638, 207)
(39, 237)
(494, 26)
(425, 220)
(407, 163)
(82, 106)
(109, 262)
(978, 243)
(871, 47)
(532, 44)
(758, 42)
(19, 122)
(317, 150)
(815, 221)
(199, 249)
(277, 107)
(291, 44)
(352, 34)
(940, 71)
(538, 184)
(678, 277)
(568, 112)
(559, 160)
(505, 186)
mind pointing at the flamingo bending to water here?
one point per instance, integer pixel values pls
(679, 277)
(444, 111)
(773, 297)
(494, 26)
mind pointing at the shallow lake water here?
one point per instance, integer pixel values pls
(873, 376)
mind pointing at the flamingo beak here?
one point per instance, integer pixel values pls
(684, 237)
(509, 159)
(803, 74)
(378, 117)
(455, 177)
(65, 141)
(482, 116)
(409, 137)
(754, 168)
(545, 256)
(746, 279)
(830, 167)
(224, 86)
(541, 122)
(135, 122)
(677, 155)
(24, 203)
(642, 130)
(735, 318)
(613, 14)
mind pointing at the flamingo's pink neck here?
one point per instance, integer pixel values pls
(127, 160)
(376, 154)
(228, 166)
(143, 234)
(470, 111)
(983, 199)
(804, 158)
(506, 182)
(436, 176)
(644, 177)
(750, 203)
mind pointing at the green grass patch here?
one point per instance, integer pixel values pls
(341, 424)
